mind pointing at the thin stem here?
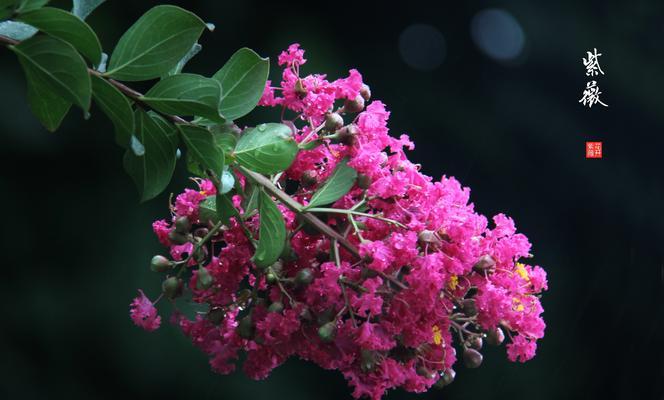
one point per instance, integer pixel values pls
(291, 203)
(353, 212)
(199, 245)
(347, 301)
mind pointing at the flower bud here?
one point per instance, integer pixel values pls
(276, 307)
(300, 90)
(365, 92)
(347, 134)
(446, 378)
(327, 332)
(333, 121)
(203, 279)
(469, 307)
(308, 179)
(172, 287)
(363, 181)
(177, 237)
(476, 343)
(428, 237)
(495, 336)
(201, 232)
(160, 264)
(354, 106)
(182, 225)
(472, 358)
(485, 263)
(367, 360)
(216, 315)
(425, 372)
(305, 314)
(245, 328)
(271, 278)
(304, 277)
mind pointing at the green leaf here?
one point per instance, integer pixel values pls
(83, 8)
(65, 26)
(225, 209)
(17, 30)
(224, 137)
(29, 5)
(242, 79)
(267, 148)
(272, 232)
(207, 210)
(116, 106)
(46, 105)
(252, 201)
(217, 208)
(201, 145)
(195, 49)
(185, 94)
(338, 184)
(155, 43)
(152, 172)
(58, 66)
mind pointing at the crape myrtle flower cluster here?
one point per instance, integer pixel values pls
(432, 282)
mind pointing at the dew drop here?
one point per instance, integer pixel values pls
(261, 127)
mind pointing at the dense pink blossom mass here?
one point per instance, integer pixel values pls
(435, 278)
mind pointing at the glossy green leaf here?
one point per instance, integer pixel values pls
(338, 184)
(225, 136)
(195, 49)
(68, 27)
(83, 8)
(200, 143)
(225, 209)
(152, 172)
(46, 105)
(267, 148)
(155, 43)
(272, 232)
(185, 94)
(207, 210)
(242, 79)
(251, 202)
(217, 208)
(116, 106)
(58, 66)
(29, 5)
(17, 30)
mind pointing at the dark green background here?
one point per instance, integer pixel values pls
(76, 243)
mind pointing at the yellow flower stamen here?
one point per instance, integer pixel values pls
(517, 305)
(453, 283)
(437, 335)
(521, 271)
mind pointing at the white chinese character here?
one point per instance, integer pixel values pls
(592, 64)
(591, 95)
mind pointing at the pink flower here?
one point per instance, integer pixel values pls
(293, 56)
(348, 88)
(386, 319)
(161, 228)
(521, 349)
(268, 99)
(143, 313)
